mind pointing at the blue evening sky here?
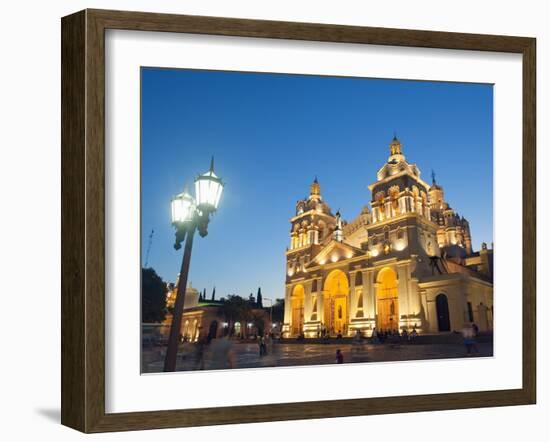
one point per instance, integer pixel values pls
(271, 134)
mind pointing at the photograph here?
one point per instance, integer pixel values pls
(303, 220)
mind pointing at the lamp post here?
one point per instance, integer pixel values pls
(188, 215)
(270, 310)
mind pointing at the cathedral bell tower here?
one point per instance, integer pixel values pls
(310, 226)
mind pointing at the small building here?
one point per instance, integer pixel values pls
(202, 317)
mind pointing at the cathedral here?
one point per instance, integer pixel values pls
(405, 262)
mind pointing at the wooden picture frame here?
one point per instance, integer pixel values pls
(83, 220)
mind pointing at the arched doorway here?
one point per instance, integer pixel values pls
(336, 292)
(297, 306)
(387, 302)
(237, 329)
(185, 332)
(442, 309)
(193, 331)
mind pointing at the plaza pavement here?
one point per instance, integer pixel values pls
(246, 354)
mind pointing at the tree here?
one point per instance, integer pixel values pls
(153, 296)
(259, 300)
(258, 321)
(235, 309)
(214, 294)
(278, 310)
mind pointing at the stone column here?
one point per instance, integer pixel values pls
(432, 314)
(288, 310)
(369, 294)
(307, 301)
(424, 303)
(409, 301)
(375, 287)
(414, 297)
(320, 312)
(352, 304)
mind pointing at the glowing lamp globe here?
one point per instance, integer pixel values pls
(183, 208)
(208, 190)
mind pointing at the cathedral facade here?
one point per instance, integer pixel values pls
(405, 262)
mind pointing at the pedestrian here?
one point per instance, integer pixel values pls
(467, 333)
(200, 350)
(405, 334)
(414, 334)
(339, 357)
(222, 353)
(261, 345)
(268, 344)
(475, 332)
(357, 346)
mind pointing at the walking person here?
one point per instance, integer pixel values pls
(222, 353)
(261, 345)
(374, 336)
(339, 357)
(268, 344)
(405, 335)
(200, 351)
(413, 335)
(357, 347)
(467, 333)
(475, 332)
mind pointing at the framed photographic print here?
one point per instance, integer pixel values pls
(270, 220)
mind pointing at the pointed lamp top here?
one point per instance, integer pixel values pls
(208, 189)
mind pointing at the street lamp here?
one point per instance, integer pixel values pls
(208, 188)
(270, 310)
(183, 208)
(188, 215)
